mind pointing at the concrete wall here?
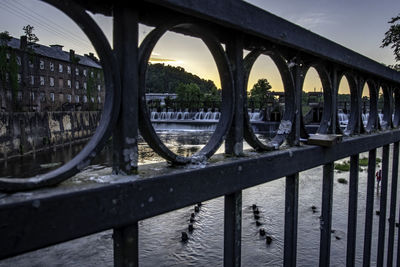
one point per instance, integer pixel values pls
(26, 132)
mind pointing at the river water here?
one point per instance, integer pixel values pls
(160, 244)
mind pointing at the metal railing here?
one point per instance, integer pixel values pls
(53, 215)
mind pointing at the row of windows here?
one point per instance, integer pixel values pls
(42, 97)
(51, 67)
(42, 82)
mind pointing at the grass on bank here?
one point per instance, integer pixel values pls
(345, 166)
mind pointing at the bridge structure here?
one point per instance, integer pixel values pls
(51, 215)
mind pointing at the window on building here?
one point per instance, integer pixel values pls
(60, 68)
(19, 60)
(61, 97)
(19, 78)
(76, 71)
(31, 64)
(51, 81)
(32, 80)
(85, 72)
(51, 66)
(8, 95)
(42, 96)
(7, 77)
(91, 74)
(69, 83)
(84, 99)
(92, 99)
(98, 99)
(32, 94)
(41, 80)
(52, 97)
(69, 98)
(76, 85)
(8, 56)
(41, 64)
(99, 87)
(69, 69)
(98, 75)
(77, 99)
(60, 83)
(19, 96)
(85, 85)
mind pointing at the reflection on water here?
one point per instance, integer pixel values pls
(159, 237)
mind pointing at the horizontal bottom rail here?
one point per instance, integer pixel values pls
(30, 221)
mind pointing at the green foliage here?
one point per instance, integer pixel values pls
(363, 162)
(13, 69)
(162, 78)
(4, 38)
(345, 166)
(189, 95)
(392, 39)
(260, 94)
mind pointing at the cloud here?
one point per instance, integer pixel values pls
(312, 20)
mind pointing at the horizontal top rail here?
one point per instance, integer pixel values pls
(97, 207)
(251, 20)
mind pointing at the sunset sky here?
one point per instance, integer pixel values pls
(358, 25)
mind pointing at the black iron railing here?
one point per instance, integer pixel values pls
(52, 215)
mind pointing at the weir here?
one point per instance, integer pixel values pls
(38, 212)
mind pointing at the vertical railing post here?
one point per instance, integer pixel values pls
(369, 209)
(234, 146)
(383, 200)
(326, 215)
(291, 216)
(393, 200)
(125, 136)
(352, 214)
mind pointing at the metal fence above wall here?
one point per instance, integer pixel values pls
(228, 29)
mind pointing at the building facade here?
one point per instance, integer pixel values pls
(41, 78)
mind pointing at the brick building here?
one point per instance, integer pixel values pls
(41, 78)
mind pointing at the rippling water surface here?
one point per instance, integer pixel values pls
(160, 243)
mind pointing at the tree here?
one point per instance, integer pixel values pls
(392, 39)
(189, 95)
(30, 36)
(260, 93)
(4, 38)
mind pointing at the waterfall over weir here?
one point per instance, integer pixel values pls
(195, 121)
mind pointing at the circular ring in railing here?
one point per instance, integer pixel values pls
(386, 122)
(372, 123)
(327, 111)
(396, 117)
(219, 55)
(109, 114)
(354, 105)
(285, 126)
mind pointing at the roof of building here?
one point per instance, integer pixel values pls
(56, 53)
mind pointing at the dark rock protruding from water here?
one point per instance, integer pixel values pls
(192, 215)
(257, 217)
(268, 239)
(190, 228)
(199, 204)
(184, 237)
(256, 211)
(191, 219)
(262, 232)
(258, 223)
(314, 209)
(254, 206)
(196, 209)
